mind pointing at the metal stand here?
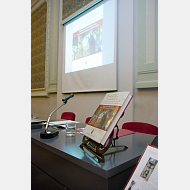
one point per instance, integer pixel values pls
(98, 149)
(114, 139)
(50, 134)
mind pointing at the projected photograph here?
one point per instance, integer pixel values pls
(87, 43)
(102, 118)
(148, 169)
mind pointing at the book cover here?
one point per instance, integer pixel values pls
(107, 116)
(145, 174)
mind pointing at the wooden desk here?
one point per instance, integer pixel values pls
(60, 163)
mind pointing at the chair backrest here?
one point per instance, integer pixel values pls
(87, 120)
(68, 116)
(141, 127)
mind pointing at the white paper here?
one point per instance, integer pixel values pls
(36, 120)
(145, 176)
(63, 122)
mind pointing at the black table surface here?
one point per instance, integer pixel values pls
(69, 148)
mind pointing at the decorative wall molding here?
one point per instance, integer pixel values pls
(39, 92)
(147, 44)
(38, 45)
(149, 71)
(36, 5)
(51, 48)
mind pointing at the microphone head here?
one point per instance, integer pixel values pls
(68, 97)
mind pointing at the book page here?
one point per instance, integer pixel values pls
(145, 176)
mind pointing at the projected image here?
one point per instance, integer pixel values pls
(90, 40)
(87, 43)
(90, 49)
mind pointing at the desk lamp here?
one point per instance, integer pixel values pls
(50, 134)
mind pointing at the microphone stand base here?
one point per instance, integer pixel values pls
(49, 134)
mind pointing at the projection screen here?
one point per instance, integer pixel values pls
(90, 44)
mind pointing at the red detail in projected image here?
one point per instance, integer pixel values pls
(87, 41)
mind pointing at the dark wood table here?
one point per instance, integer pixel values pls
(59, 163)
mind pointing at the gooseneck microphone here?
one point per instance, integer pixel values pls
(50, 134)
(67, 97)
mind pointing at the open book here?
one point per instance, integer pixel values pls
(145, 175)
(107, 116)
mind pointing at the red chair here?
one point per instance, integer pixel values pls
(87, 120)
(141, 127)
(68, 116)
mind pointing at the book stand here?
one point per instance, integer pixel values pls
(98, 149)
